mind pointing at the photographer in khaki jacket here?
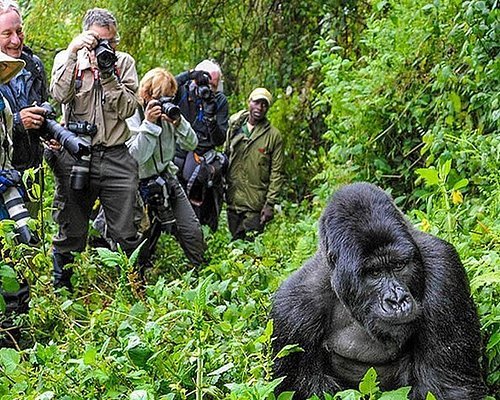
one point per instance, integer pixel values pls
(96, 85)
(254, 177)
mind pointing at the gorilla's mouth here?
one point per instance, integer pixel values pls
(399, 318)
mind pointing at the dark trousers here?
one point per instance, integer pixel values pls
(242, 223)
(113, 179)
(186, 229)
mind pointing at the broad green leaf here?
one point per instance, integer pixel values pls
(461, 184)
(3, 306)
(66, 304)
(89, 357)
(369, 384)
(286, 396)
(10, 285)
(349, 394)
(444, 170)
(266, 335)
(7, 271)
(139, 395)
(289, 349)
(399, 394)
(48, 395)
(222, 369)
(430, 175)
(108, 257)
(135, 254)
(9, 359)
(494, 340)
(138, 351)
(430, 396)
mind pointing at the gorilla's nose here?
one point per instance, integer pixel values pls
(396, 298)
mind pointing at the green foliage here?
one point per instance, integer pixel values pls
(414, 92)
(369, 390)
(399, 93)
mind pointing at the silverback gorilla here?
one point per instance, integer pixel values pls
(377, 293)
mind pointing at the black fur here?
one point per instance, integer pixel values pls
(377, 293)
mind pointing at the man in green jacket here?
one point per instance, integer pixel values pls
(254, 177)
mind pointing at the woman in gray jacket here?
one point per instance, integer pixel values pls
(156, 129)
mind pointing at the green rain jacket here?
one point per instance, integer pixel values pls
(254, 177)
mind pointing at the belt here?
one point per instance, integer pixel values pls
(101, 148)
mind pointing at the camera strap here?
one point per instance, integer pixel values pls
(199, 107)
(78, 78)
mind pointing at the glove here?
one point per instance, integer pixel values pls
(202, 78)
(210, 108)
(266, 214)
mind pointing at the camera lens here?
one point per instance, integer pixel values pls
(204, 92)
(77, 146)
(106, 57)
(171, 110)
(80, 173)
(18, 212)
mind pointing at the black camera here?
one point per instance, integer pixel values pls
(82, 128)
(168, 108)
(68, 139)
(105, 55)
(16, 208)
(203, 86)
(155, 193)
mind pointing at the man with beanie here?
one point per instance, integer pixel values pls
(254, 177)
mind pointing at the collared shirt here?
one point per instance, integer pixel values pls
(18, 85)
(105, 102)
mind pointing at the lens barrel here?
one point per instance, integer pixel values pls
(16, 208)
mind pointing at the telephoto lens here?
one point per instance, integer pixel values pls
(18, 212)
(68, 139)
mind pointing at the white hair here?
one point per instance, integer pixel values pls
(8, 5)
(100, 17)
(211, 66)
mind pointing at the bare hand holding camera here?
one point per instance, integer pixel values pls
(32, 117)
(87, 39)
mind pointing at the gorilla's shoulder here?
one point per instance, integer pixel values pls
(307, 288)
(441, 262)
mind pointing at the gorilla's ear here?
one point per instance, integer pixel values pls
(327, 239)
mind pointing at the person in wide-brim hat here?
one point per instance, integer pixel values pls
(9, 67)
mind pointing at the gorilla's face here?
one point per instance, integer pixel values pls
(383, 289)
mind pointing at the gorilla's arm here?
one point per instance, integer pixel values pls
(446, 363)
(300, 312)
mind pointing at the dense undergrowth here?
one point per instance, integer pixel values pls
(408, 100)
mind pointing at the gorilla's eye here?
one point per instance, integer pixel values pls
(375, 273)
(398, 267)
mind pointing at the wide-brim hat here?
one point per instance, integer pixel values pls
(261, 94)
(9, 67)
